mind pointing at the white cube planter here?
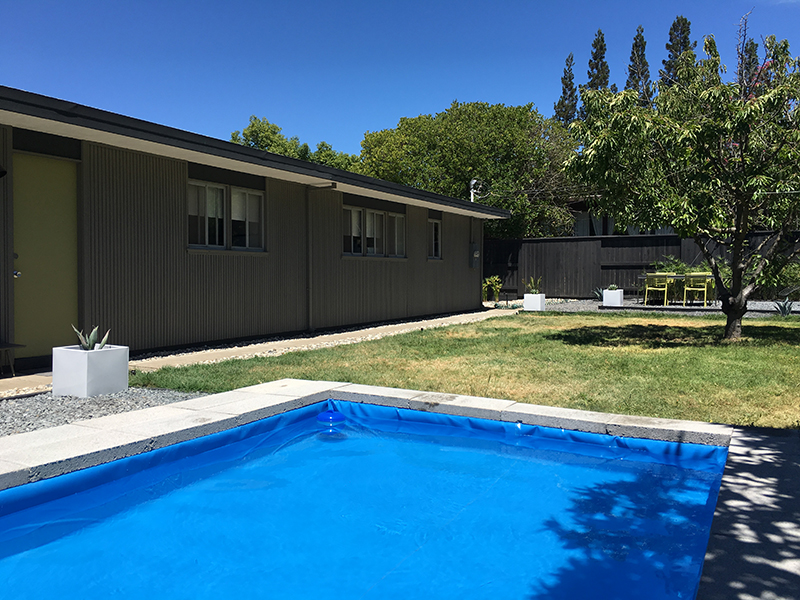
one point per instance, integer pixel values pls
(83, 373)
(533, 302)
(612, 297)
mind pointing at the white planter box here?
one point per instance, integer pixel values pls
(83, 373)
(533, 302)
(612, 297)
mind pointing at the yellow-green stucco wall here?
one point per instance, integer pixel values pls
(45, 192)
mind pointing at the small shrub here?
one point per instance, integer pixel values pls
(784, 308)
(492, 285)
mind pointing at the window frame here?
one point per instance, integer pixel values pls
(434, 240)
(375, 222)
(227, 217)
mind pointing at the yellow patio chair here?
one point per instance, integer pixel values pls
(657, 282)
(695, 283)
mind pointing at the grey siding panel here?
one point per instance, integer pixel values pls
(6, 241)
(138, 277)
(349, 290)
(133, 247)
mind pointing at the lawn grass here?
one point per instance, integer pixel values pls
(651, 365)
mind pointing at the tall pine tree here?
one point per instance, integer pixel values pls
(566, 108)
(598, 72)
(679, 42)
(639, 70)
(748, 72)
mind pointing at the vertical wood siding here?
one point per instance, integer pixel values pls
(139, 278)
(6, 241)
(132, 235)
(349, 290)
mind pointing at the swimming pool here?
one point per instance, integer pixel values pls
(394, 503)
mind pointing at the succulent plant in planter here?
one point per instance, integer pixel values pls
(89, 342)
(90, 368)
(533, 300)
(612, 295)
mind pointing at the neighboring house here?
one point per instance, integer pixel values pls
(172, 239)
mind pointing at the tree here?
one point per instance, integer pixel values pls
(566, 108)
(639, 70)
(679, 42)
(598, 72)
(713, 160)
(511, 151)
(262, 134)
(748, 71)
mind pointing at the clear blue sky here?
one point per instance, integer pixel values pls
(327, 70)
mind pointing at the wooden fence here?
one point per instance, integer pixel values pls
(571, 267)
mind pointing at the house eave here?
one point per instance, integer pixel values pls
(58, 117)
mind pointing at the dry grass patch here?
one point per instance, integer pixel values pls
(644, 365)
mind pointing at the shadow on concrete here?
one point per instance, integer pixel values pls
(754, 550)
(666, 336)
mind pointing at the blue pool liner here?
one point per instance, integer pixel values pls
(190, 459)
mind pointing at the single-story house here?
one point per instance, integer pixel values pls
(173, 239)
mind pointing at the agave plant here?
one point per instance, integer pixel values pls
(598, 293)
(89, 342)
(784, 308)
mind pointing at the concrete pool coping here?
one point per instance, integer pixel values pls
(754, 547)
(31, 456)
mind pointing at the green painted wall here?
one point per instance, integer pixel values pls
(45, 192)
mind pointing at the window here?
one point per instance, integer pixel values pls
(206, 215)
(209, 225)
(352, 231)
(434, 238)
(246, 220)
(396, 235)
(373, 233)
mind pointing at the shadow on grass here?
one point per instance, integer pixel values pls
(667, 336)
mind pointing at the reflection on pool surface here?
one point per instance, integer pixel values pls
(393, 503)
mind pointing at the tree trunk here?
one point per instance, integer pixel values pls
(734, 308)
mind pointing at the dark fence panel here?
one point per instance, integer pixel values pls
(572, 267)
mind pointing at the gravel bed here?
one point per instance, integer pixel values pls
(29, 413)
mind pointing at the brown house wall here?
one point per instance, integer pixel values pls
(139, 278)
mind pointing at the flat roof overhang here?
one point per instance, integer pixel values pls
(58, 117)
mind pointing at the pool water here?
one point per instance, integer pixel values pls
(391, 504)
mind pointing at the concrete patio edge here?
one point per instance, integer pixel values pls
(36, 455)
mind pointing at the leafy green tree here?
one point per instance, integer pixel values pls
(712, 160)
(639, 70)
(511, 152)
(679, 42)
(598, 72)
(262, 134)
(566, 109)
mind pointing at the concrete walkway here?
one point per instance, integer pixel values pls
(754, 550)
(41, 382)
